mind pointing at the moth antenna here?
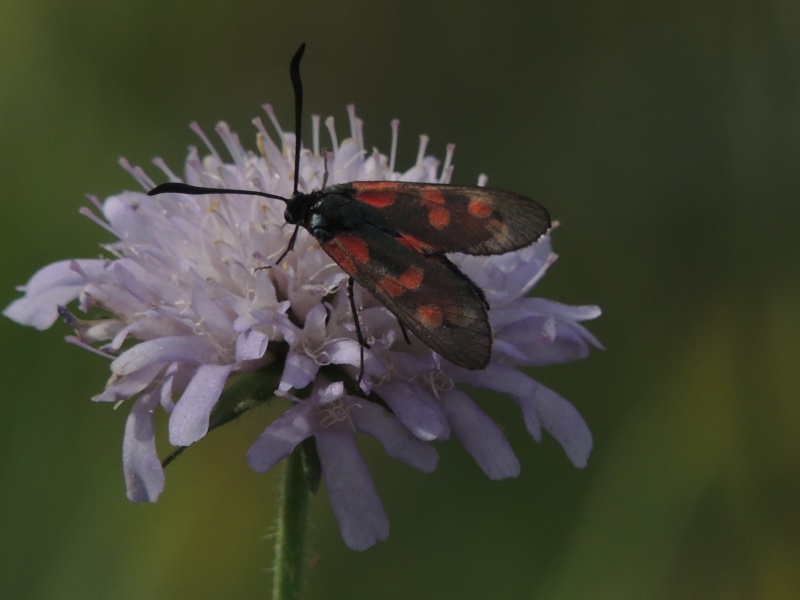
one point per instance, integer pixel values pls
(297, 84)
(174, 187)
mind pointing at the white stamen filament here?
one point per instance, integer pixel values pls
(315, 134)
(329, 123)
(393, 152)
(195, 127)
(423, 145)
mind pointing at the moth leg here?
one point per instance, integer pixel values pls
(361, 343)
(289, 248)
(405, 333)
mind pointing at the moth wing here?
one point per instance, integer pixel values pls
(439, 218)
(427, 294)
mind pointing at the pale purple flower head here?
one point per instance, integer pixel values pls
(183, 302)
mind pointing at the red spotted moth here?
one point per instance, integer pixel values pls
(391, 238)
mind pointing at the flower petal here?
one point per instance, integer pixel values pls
(564, 312)
(180, 348)
(354, 501)
(144, 477)
(129, 385)
(398, 441)
(561, 420)
(330, 393)
(507, 380)
(50, 287)
(541, 408)
(416, 409)
(189, 420)
(281, 437)
(251, 345)
(480, 436)
(298, 372)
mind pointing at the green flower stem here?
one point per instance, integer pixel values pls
(291, 529)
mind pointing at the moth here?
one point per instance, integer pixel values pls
(393, 237)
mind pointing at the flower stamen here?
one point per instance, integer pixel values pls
(395, 125)
(329, 123)
(423, 146)
(335, 412)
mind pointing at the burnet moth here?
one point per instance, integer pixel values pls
(392, 237)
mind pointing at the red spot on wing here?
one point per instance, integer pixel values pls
(430, 316)
(481, 206)
(410, 279)
(354, 245)
(416, 244)
(392, 288)
(434, 196)
(346, 250)
(366, 186)
(439, 217)
(340, 257)
(379, 194)
(377, 199)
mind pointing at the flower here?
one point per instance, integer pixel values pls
(183, 302)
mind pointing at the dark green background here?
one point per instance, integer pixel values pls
(664, 136)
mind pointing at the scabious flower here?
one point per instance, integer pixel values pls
(183, 302)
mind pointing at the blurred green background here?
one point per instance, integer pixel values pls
(666, 139)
